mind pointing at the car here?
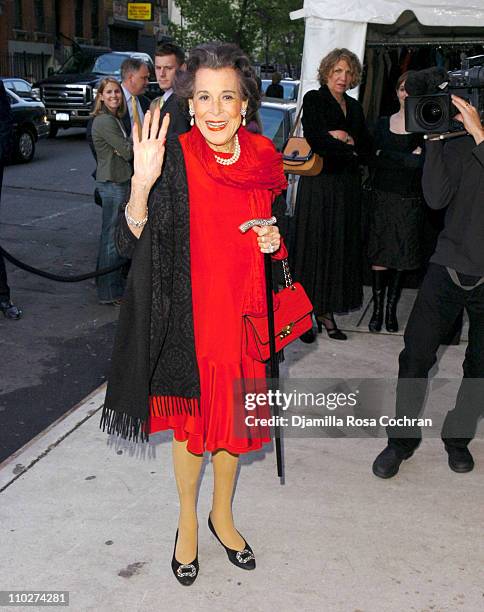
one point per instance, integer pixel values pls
(277, 118)
(69, 93)
(30, 124)
(291, 88)
(21, 87)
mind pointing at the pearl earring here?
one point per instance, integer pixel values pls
(243, 112)
(191, 112)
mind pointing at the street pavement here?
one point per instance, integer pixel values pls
(59, 351)
(85, 514)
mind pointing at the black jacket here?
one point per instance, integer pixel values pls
(394, 167)
(179, 121)
(145, 105)
(322, 114)
(453, 176)
(275, 91)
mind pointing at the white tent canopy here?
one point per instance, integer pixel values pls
(343, 23)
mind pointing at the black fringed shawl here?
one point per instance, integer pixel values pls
(154, 349)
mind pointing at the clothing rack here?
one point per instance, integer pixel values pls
(427, 43)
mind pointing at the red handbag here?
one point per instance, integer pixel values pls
(292, 317)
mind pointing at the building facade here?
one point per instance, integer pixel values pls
(37, 34)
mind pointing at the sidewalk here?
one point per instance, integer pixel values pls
(84, 515)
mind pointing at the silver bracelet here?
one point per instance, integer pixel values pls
(133, 222)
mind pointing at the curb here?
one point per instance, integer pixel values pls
(26, 457)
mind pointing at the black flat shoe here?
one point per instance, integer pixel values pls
(10, 311)
(185, 573)
(244, 559)
(387, 464)
(460, 459)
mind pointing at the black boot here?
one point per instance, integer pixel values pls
(460, 459)
(387, 464)
(378, 284)
(394, 287)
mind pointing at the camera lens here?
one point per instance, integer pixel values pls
(431, 112)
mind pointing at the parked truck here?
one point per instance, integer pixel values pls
(69, 93)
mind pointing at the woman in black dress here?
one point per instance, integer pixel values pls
(327, 235)
(396, 214)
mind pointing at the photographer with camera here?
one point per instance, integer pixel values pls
(453, 177)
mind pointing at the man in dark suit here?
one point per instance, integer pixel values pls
(168, 59)
(135, 76)
(6, 128)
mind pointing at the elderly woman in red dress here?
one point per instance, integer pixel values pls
(179, 349)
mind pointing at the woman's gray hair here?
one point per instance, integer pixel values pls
(131, 64)
(215, 56)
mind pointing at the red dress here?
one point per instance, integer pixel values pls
(219, 253)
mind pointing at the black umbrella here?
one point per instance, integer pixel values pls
(274, 359)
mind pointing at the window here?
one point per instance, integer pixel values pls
(109, 64)
(11, 99)
(273, 125)
(95, 19)
(21, 88)
(79, 23)
(18, 14)
(39, 15)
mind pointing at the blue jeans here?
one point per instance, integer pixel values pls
(110, 286)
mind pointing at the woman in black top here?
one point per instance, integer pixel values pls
(327, 242)
(396, 214)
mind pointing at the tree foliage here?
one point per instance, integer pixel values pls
(262, 28)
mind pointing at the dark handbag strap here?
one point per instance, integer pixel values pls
(296, 123)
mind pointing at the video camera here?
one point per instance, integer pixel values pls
(429, 108)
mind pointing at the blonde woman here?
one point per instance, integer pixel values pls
(114, 154)
(327, 250)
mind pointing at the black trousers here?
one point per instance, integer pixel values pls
(4, 289)
(439, 302)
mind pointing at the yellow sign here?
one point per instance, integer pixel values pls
(139, 11)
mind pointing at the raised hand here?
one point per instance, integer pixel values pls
(149, 150)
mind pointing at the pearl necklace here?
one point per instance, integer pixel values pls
(231, 160)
